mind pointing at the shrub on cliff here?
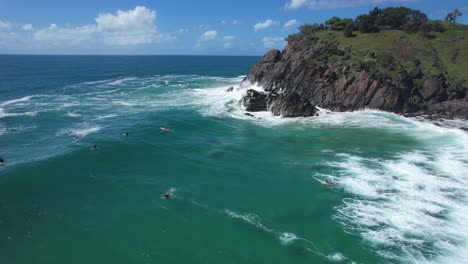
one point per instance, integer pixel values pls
(438, 27)
(348, 30)
(401, 18)
(306, 31)
(367, 24)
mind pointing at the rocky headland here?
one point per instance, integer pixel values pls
(302, 77)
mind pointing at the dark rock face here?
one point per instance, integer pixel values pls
(291, 105)
(294, 85)
(255, 101)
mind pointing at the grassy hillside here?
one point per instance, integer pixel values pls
(395, 50)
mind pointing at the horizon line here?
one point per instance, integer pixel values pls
(127, 55)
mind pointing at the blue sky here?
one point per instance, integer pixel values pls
(179, 27)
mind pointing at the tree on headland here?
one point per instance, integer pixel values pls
(348, 30)
(333, 22)
(390, 18)
(452, 17)
(367, 24)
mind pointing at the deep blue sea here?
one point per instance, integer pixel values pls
(247, 190)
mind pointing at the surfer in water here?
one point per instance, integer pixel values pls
(125, 133)
(168, 194)
(166, 129)
(2, 162)
(327, 183)
(76, 137)
(94, 147)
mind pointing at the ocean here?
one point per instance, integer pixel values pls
(247, 189)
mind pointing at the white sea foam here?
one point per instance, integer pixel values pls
(337, 257)
(411, 209)
(3, 113)
(81, 131)
(14, 101)
(98, 82)
(73, 114)
(122, 80)
(252, 219)
(107, 116)
(285, 238)
(125, 103)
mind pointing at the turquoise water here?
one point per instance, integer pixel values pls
(248, 190)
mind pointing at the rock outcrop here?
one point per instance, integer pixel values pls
(302, 77)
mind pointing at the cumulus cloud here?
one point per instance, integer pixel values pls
(5, 25)
(291, 23)
(133, 27)
(263, 25)
(209, 35)
(27, 27)
(336, 4)
(270, 42)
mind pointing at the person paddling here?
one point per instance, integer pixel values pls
(125, 133)
(166, 129)
(168, 194)
(94, 147)
(2, 162)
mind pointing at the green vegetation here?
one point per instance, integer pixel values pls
(385, 41)
(452, 17)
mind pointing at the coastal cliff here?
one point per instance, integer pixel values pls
(322, 72)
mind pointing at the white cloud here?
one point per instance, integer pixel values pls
(209, 35)
(5, 25)
(227, 22)
(184, 30)
(228, 41)
(336, 4)
(27, 27)
(56, 35)
(291, 23)
(7, 37)
(132, 27)
(270, 42)
(263, 25)
(229, 38)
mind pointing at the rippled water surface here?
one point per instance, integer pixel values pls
(248, 190)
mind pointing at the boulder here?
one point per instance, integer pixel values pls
(255, 101)
(292, 105)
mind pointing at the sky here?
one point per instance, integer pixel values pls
(176, 27)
